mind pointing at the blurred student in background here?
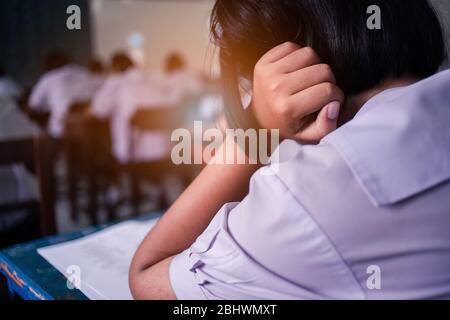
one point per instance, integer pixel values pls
(103, 107)
(104, 101)
(139, 89)
(63, 84)
(182, 82)
(129, 89)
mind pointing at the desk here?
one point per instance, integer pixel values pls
(31, 277)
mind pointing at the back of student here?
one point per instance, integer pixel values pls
(139, 90)
(58, 89)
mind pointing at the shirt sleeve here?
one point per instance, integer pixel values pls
(185, 279)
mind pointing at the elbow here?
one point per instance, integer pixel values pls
(145, 286)
(135, 282)
(135, 287)
(152, 283)
(138, 288)
(141, 283)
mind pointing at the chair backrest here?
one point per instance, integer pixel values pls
(36, 154)
(41, 118)
(162, 118)
(79, 107)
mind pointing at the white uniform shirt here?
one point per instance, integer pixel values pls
(183, 83)
(363, 215)
(105, 99)
(58, 89)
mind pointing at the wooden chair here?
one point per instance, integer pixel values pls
(80, 107)
(40, 118)
(102, 166)
(87, 149)
(36, 154)
(153, 119)
(75, 144)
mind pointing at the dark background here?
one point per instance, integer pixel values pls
(29, 29)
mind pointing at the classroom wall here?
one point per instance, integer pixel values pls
(29, 29)
(173, 25)
(166, 25)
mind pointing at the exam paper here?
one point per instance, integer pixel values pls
(101, 260)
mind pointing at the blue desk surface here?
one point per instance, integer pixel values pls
(31, 277)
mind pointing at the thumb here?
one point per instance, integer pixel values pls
(328, 118)
(325, 123)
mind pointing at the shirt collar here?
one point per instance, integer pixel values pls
(398, 145)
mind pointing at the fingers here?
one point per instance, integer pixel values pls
(327, 119)
(296, 60)
(326, 122)
(314, 99)
(296, 93)
(290, 57)
(300, 80)
(279, 52)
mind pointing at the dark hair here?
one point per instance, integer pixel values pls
(121, 62)
(410, 42)
(174, 62)
(96, 66)
(56, 59)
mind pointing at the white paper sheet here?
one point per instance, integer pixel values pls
(102, 259)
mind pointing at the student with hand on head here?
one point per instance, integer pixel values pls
(63, 84)
(363, 176)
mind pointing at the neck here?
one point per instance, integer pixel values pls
(355, 102)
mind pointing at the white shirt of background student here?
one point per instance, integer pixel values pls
(58, 89)
(183, 83)
(122, 96)
(104, 101)
(138, 90)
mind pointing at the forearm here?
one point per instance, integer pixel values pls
(177, 230)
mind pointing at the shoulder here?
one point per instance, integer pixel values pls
(299, 166)
(48, 77)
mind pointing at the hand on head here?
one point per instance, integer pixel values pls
(294, 92)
